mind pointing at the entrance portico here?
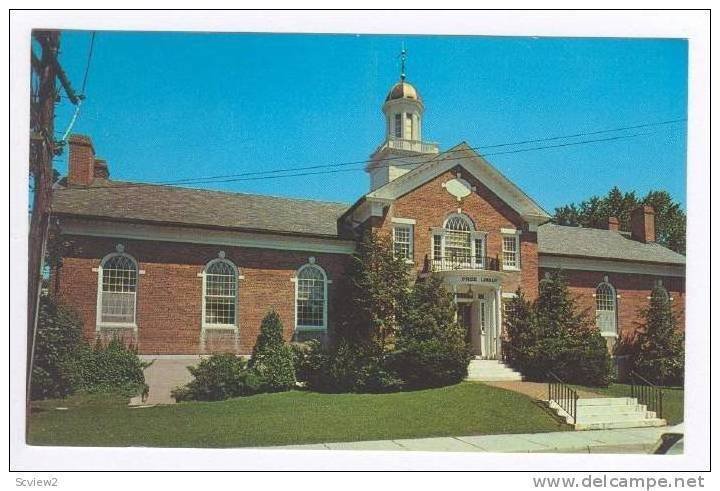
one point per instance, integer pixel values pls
(478, 295)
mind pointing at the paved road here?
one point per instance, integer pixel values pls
(631, 440)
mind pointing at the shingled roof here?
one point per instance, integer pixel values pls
(176, 205)
(602, 244)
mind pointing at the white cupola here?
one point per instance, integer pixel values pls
(403, 148)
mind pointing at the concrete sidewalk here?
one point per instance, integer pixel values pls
(630, 440)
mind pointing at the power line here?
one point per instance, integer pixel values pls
(81, 97)
(202, 180)
(251, 177)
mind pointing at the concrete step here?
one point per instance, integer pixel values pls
(491, 371)
(609, 413)
(610, 409)
(607, 401)
(613, 425)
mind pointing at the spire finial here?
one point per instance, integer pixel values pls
(403, 57)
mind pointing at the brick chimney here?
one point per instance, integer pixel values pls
(81, 164)
(100, 169)
(642, 224)
(613, 224)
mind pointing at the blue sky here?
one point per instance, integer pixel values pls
(169, 106)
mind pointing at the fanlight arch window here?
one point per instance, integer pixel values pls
(458, 238)
(220, 294)
(117, 290)
(311, 298)
(606, 309)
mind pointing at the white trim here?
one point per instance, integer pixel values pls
(479, 168)
(323, 328)
(99, 324)
(610, 266)
(405, 221)
(509, 231)
(230, 327)
(509, 295)
(166, 233)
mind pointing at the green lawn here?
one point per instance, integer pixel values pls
(289, 418)
(672, 399)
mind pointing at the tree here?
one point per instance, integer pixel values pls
(272, 358)
(670, 219)
(554, 335)
(58, 339)
(519, 327)
(660, 346)
(431, 347)
(378, 283)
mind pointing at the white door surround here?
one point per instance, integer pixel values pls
(484, 332)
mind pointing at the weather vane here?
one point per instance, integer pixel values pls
(403, 57)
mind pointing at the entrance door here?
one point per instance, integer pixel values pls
(465, 319)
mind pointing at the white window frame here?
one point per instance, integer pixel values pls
(230, 327)
(614, 296)
(514, 234)
(474, 235)
(99, 324)
(326, 282)
(411, 239)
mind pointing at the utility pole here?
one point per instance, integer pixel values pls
(43, 148)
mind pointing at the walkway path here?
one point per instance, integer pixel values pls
(536, 390)
(631, 440)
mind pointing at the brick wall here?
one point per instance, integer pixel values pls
(634, 290)
(169, 294)
(430, 204)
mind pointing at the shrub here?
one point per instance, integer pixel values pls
(58, 337)
(660, 346)
(431, 349)
(106, 368)
(347, 367)
(272, 358)
(219, 377)
(552, 335)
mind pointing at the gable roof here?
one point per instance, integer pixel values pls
(463, 155)
(199, 207)
(602, 244)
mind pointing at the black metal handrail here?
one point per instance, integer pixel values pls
(646, 393)
(563, 395)
(450, 263)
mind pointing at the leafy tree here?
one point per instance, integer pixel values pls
(272, 358)
(670, 219)
(378, 284)
(431, 347)
(660, 351)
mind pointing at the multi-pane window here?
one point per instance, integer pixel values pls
(479, 251)
(220, 292)
(605, 303)
(403, 241)
(510, 252)
(437, 247)
(118, 287)
(311, 305)
(398, 125)
(458, 242)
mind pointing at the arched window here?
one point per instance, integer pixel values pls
(220, 294)
(458, 239)
(311, 298)
(117, 290)
(606, 309)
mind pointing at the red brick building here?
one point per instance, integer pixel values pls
(185, 271)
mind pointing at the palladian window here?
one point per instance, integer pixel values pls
(458, 245)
